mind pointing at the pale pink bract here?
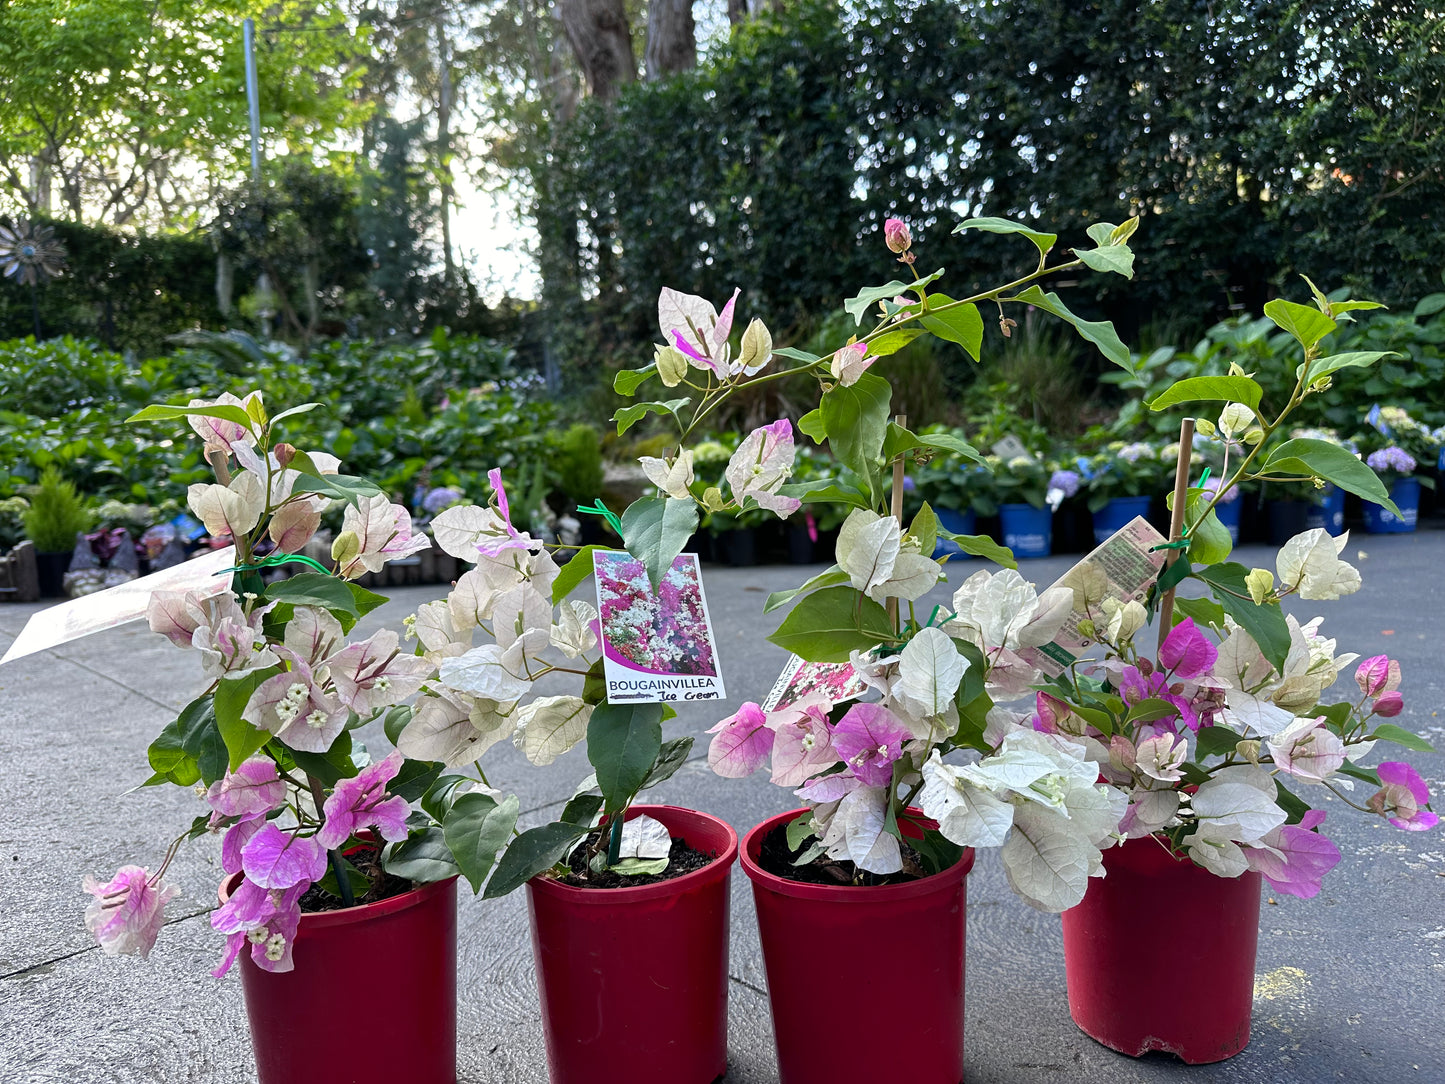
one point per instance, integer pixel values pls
(128, 911)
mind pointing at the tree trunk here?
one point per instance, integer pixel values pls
(601, 39)
(671, 38)
(737, 12)
(444, 145)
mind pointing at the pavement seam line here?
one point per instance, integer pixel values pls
(95, 948)
(114, 681)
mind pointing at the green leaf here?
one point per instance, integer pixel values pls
(947, 442)
(168, 759)
(1213, 741)
(639, 867)
(828, 624)
(582, 809)
(972, 723)
(330, 593)
(1429, 305)
(1205, 612)
(304, 408)
(1209, 541)
(1118, 259)
(573, 572)
(534, 851)
(331, 766)
(355, 879)
(1400, 736)
(1321, 459)
(342, 487)
(1265, 624)
(437, 800)
(924, 528)
(1221, 389)
(672, 756)
(890, 342)
(628, 416)
(794, 354)
(856, 421)
(395, 721)
(1364, 775)
(655, 529)
(201, 739)
(1043, 241)
(232, 694)
(1308, 325)
(1287, 800)
(981, 545)
(623, 744)
(937, 851)
(1335, 362)
(1146, 711)
(829, 577)
(414, 779)
(961, 324)
(158, 413)
(1099, 332)
(627, 381)
(422, 857)
(825, 491)
(799, 830)
(858, 306)
(476, 829)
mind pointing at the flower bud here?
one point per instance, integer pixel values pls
(1389, 705)
(1254, 436)
(896, 235)
(284, 453)
(1086, 629)
(1248, 749)
(1378, 674)
(1205, 428)
(712, 499)
(671, 365)
(346, 548)
(1260, 583)
(757, 347)
(1235, 418)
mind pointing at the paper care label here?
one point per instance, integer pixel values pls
(833, 682)
(1123, 567)
(657, 646)
(1010, 447)
(120, 604)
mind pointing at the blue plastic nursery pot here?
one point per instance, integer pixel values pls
(954, 523)
(1116, 515)
(1330, 512)
(1405, 492)
(1228, 513)
(1027, 530)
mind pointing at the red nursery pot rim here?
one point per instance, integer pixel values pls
(669, 815)
(346, 916)
(753, 846)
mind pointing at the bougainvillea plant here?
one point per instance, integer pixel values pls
(1194, 745)
(1224, 740)
(268, 745)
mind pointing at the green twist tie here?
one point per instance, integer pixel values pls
(275, 562)
(597, 508)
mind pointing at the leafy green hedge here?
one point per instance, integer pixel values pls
(441, 412)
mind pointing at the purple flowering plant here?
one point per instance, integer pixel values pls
(269, 743)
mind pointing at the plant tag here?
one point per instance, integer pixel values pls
(1010, 447)
(1122, 567)
(119, 604)
(657, 647)
(830, 682)
(645, 837)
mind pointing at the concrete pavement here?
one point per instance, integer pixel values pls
(1351, 984)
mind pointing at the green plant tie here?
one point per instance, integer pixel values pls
(597, 508)
(1183, 541)
(274, 562)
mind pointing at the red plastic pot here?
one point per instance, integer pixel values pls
(905, 940)
(372, 998)
(1211, 927)
(634, 981)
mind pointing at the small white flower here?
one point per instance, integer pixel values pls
(275, 948)
(317, 719)
(258, 935)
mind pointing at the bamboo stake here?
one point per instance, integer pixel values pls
(1176, 521)
(897, 508)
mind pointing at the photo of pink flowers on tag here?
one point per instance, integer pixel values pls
(656, 645)
(833, 682)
